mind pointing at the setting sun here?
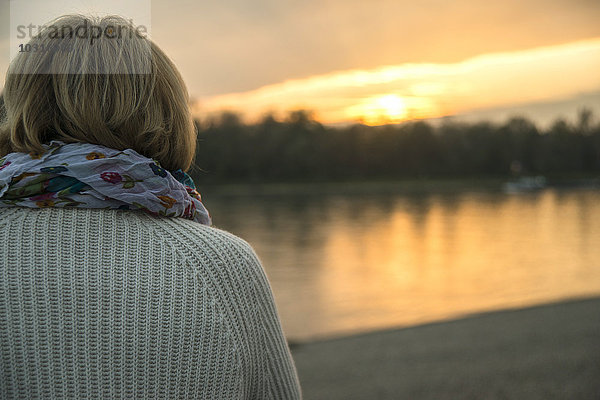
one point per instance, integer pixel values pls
(389, 108)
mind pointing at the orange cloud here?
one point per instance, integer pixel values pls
(411, 91)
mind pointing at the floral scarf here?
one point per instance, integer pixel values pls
(92, 176)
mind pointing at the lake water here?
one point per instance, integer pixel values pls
(341, 264)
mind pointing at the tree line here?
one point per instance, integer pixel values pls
(301, 149)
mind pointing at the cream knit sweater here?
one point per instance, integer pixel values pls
(119, 304)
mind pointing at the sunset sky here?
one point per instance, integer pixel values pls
(379, 61)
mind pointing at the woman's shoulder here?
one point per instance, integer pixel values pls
(208, 240)
(189, 237)
(218, 256)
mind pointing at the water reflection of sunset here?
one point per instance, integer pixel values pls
(358, 264)
(442, 259)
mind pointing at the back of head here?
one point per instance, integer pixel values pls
(100, 81)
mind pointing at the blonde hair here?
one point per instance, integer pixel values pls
(119, 92)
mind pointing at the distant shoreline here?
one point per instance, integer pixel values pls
(387, 186)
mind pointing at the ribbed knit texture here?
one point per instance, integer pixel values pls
(119, 304)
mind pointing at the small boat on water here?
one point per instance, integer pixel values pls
(525, 184)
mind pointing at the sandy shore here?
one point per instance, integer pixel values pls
(544, 352)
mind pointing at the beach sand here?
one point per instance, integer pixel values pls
(544, 352)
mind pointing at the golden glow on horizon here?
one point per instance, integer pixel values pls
(390, 109)
(414, 91)
(382, 109)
